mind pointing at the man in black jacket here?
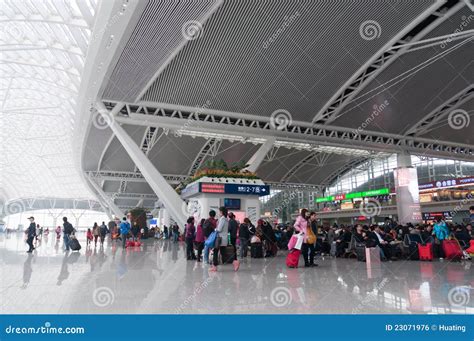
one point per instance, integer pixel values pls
(31, 233)
(68, 230)
(233, 227)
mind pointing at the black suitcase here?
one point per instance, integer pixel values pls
(360, 251)
(256, 250)
(227, 254)
(413, 252)
(74, 244)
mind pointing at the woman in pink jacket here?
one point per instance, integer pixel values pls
(301, 226)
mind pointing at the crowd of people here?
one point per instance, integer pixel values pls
(221, 239)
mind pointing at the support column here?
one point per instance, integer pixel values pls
(257, 158)
(157, 182)
(114, 208)
(406, 188)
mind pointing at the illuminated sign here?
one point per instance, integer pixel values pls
(447, 183)
(338, 197)
(212, 188)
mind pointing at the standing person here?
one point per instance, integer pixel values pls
(199, 240)
(189, 237)
(313, 226)
(209, 226)
(30, 234)
(89, 237)
(221, 240)
(135, 231)
(96, 233)
(301, 226)
(37, 232)
(58, 232)
(471, 215)
(441, 232)
(175, 233)
(67, 230)
(111, 226)
(233, 228)
(124, 230)
(165, 232)
(244, 237)
(103, 232)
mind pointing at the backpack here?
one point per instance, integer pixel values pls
(207, 228)
(68, 229)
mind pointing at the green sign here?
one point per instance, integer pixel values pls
(376, 192)
(372, 193)
(325, 199)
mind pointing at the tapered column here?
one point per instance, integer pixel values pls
(171, 200)
(406, 188)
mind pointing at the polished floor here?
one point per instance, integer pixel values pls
(156, 278)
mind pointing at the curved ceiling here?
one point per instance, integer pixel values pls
(44, 46)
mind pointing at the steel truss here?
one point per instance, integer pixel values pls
(430, 121)
(334, 107)
(298, 133)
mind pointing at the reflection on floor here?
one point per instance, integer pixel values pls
(156, 278)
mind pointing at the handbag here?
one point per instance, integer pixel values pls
(299, 242)
(255, 239)
(211, 240)
(311, 237)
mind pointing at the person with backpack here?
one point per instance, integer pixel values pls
(103, 230)
(209, 226)
(68, 230)
(30, 234)
(124, 230)
(244, 237)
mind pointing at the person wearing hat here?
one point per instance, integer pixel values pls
(30, 234)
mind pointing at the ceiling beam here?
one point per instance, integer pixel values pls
(296, 132)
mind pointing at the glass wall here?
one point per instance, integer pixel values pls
(80, 219)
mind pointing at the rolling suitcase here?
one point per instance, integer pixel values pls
(360, 252)
(74, 244)
(292, 258)
(452, 250)
(227, 254)
(333, 250)
(256, 250)
(425, 251)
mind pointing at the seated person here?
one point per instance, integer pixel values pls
(342, 241)
(462, 234)
(383, 241)
(360, 235)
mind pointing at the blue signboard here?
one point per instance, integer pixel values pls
(247, 189)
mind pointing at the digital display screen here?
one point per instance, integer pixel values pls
(212, 188)
(232, 204)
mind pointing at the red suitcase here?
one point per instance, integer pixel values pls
(293, 258)
(425, 251)
(452, 250)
